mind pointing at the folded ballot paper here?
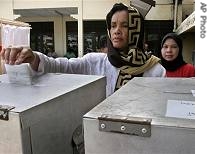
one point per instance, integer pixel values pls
(20, 74)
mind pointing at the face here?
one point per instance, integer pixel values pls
(170, 50)
(119, 29)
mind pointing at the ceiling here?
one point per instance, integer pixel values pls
(46, 12)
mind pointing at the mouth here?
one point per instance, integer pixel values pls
(169, 57)
(117, 39)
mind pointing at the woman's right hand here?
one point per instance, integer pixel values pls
(15, 56)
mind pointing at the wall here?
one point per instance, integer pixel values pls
(188, 46)
(6, 9)
(95, 9)
(157, 13)
(163, 10)
(26, 4)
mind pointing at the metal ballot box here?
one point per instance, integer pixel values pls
(41, 118)
(146, 116)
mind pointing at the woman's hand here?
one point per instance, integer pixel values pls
(15, 56)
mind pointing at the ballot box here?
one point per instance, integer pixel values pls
(145, 116)
(41, 118)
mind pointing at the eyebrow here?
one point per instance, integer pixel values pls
(165, 44)
(124, 22)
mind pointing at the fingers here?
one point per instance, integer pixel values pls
(25, 56)
(17, 55)
(10, 55)
(14, 53)
(2, 53)
(20, 58)
(7, 55)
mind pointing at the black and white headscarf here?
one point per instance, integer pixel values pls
(134, 62)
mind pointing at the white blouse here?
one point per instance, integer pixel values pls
(90, 64)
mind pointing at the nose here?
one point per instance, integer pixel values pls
(117, 30)
(168, 49)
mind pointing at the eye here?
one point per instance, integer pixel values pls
(125, 25)
(113, 25)
(174, 46)
(165, 46)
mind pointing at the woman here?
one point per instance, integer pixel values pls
(122, 62)
(172, 59)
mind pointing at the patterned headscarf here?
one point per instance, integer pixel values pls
(134, 62)
(178, 62)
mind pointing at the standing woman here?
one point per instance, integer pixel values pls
(172, 59)
(125, 58)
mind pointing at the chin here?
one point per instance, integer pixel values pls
(169, 59)
(117, 46)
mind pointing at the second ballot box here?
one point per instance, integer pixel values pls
(41, 118)
(145, 116)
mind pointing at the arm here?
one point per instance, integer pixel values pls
(88, 64)
(84, 65)
(41, 63)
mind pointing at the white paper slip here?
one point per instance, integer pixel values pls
(19, 74)
(180, 109)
